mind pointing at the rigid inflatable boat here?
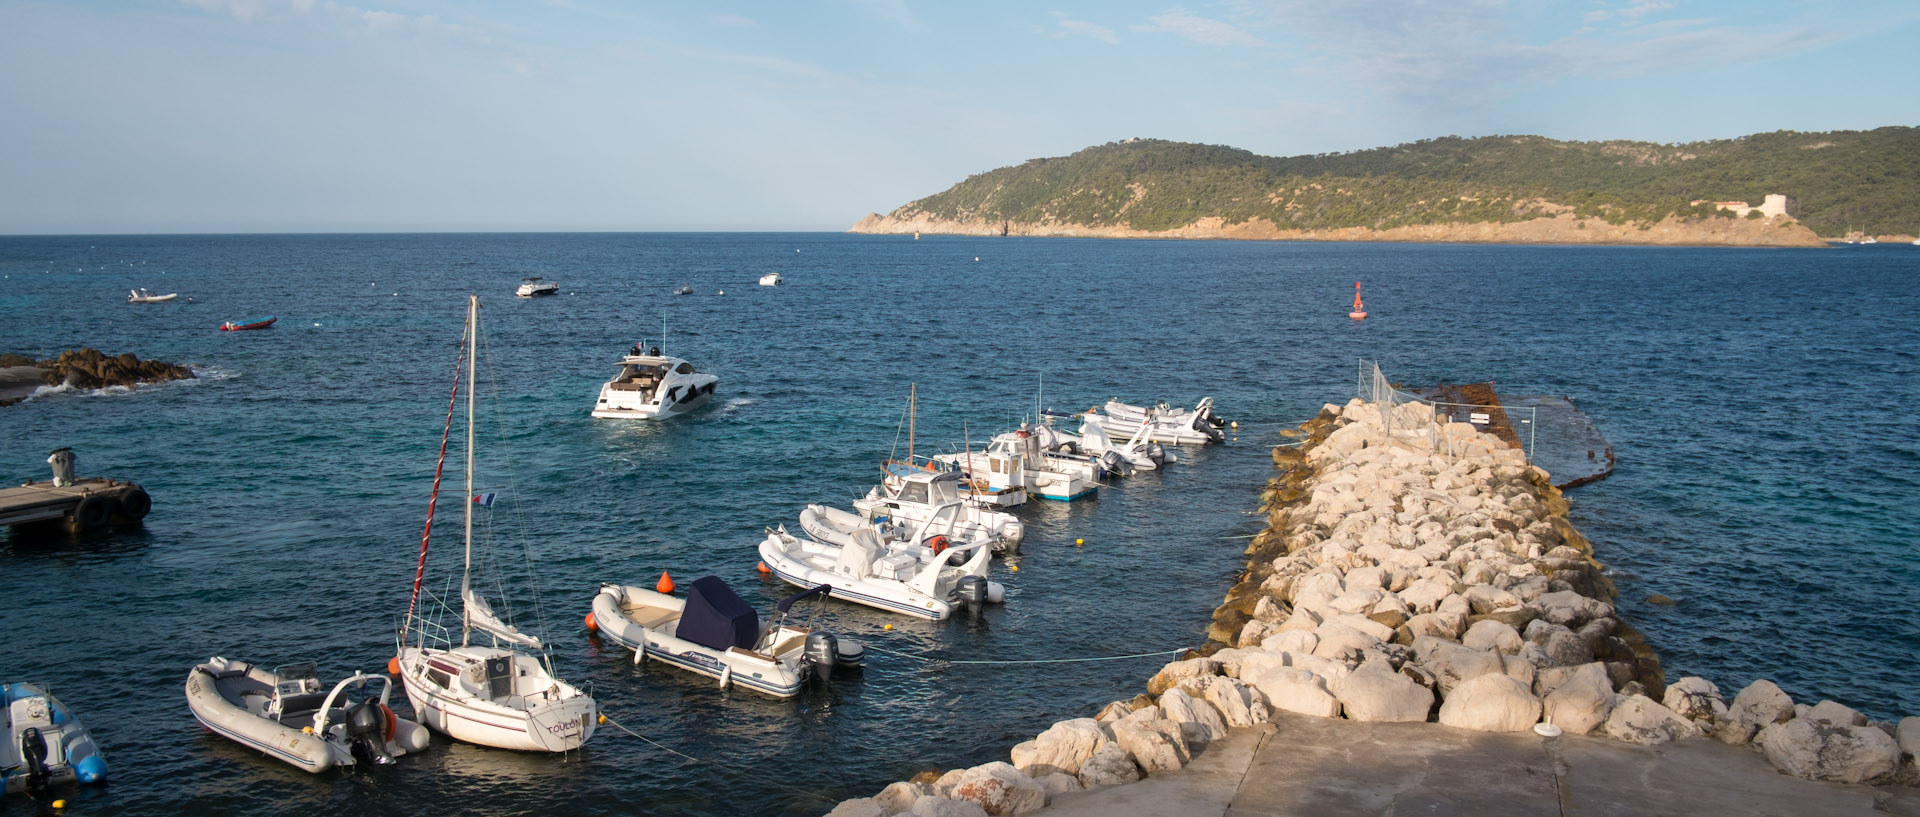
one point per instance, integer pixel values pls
(287, 714)
(922, 580)
(715, 633)
(45, 744)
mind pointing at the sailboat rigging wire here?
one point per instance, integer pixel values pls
(518, 517)
(427, 534)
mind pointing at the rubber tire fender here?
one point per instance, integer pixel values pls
(135, 504)
(92, 513)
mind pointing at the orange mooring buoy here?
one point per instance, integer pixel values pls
(1359, 312)
(591, 624)
(393, 665)
(666, 583)
(763, 569)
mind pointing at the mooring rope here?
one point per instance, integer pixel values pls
(737, 769)
(932, 660)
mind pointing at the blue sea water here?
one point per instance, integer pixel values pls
(1760, 402)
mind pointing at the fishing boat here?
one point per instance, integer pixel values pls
(772, 279)
(713, 632)
(536, 287)
(919, 496)
(45, 745)
(142, 296)
(256, 323)
(290, 716)
(922, 580)
(1164, 423)
(653, 386)
(504, 693)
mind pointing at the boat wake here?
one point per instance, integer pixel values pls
(735, 404)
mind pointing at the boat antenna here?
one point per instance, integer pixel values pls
(663, 333)
(466, 570)
(966, 443)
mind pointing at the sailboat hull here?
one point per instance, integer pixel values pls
(558, 721)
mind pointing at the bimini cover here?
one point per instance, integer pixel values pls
(717, 618)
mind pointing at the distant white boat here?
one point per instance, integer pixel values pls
(922, 580)
(653, 386)
(142, 296)
(1165, 424)
(772, 279)
(534, 287)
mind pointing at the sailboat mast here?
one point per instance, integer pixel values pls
(466, 570)
(911, 393)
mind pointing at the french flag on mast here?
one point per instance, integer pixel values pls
(484, 500)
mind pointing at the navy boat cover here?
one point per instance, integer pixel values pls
(716, 617)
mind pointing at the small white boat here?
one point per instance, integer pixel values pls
(535, 287)
(287, 714)
(1137, 453)
(45, 745)
(714, 633)
(1015, 460)
(772, 279)
(1164, 423)
(920, 496)
(916, 580)
(499, 695)
(683, 291)
(142, 296)
(653, 386)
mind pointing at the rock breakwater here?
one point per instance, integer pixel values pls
(84, 368)
(1423, 574)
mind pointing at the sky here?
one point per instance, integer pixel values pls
(196, 116)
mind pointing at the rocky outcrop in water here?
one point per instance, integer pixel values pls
(88, 368)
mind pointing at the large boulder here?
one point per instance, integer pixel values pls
(1341, 642)
(934, 805)
(1453, 665)
(1300, 641)
(1760, 705)
(1155, 742)
(900, 797)
(1491, 703)
(1176, 671)
(1818, 749)
(1695, 698)
(1377, 693)
(861, 807)
(1199, 722)
(1908, 733)
(1637, 719)
(1569, 609)
(1001, 790)
(1837, 714)
(1238, 703)
(1062, 748)
(1294, 690)
(1489, 634)
(1110, 765)
(1058, 784)
(1582, 701)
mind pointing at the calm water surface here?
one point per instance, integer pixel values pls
(1760, 403)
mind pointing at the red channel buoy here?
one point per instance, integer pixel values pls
(1359, 312)
(666, 583)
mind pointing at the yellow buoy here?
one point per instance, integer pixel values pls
(59, 804)
(888, 627)
(1079, 542)
(1014, 568)
(603, 717)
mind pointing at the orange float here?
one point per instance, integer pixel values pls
(666, 583)
(1359, 312)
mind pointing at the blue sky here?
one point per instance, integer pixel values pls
(330, 115)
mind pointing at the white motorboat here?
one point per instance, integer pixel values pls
(652, 386)
(714, 633)
(922, 580)
(1137, 453)
(287, 714)
(1015, 460)
(45, 745)
(1164, 423)
(919, 496)
(535, 287)
(497, 695)
(772, 279)
(142, 296)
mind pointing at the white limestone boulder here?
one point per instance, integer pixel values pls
(1200, 723)
(1818, 749)
(1582, 701)
(934, 805)
(1491, 703)
(1174, 672)
(1908, 735)
(1062, 748)
(1294, 690)
(1057, 783)
(1836, 714)
(1760, 705)
(1300, 641)
(1001, 790)
(1155, 743)
(1238, 703)
(1696, 699)
(1453, 665)
(1638, 719)
(1496, 636)
(899, 797)
(1376, 693)
(1110, 765)
(861, 807)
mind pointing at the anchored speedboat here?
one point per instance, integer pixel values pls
(920, 496)
(536, 287)
(715, 633)
(287, 714)
(1015, 460)
(1164, 423)
(45, 744)
(653, 385)
(923, 580)
(772, 279)
(142, 296)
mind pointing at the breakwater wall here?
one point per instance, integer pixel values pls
(1422, 574)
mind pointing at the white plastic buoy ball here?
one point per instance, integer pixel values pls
(976, 258)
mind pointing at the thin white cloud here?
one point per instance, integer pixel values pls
(1069, 27)
(378, 22)
(1203, 30)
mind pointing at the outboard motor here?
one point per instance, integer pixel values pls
(1116, 464)
(33, 753)
(367, 733)
(822, 653)
(972, 591)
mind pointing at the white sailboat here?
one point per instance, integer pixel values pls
(499, 694)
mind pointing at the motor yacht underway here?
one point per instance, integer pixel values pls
(926, 578)
(653, 386)
(535, 287)
(42, 744)
(287, 714)
(715, 633)
(1164, 424)
(772, 279)
(919, 496)
(503, 694)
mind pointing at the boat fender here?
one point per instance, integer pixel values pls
(850, 655)
(91, 513)
(938, 543)
(996, 592)
(393, 722)
(90, 769)
(135, 503)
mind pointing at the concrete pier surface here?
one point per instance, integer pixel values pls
(1325, 767)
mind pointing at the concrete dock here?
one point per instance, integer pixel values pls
(1321, 767)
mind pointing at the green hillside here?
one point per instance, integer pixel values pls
(1864, 180)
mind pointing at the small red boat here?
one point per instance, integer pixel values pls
(256, 323)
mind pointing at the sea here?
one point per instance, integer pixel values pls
(1761, 404)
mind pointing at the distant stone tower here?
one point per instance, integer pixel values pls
(1775, 204)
